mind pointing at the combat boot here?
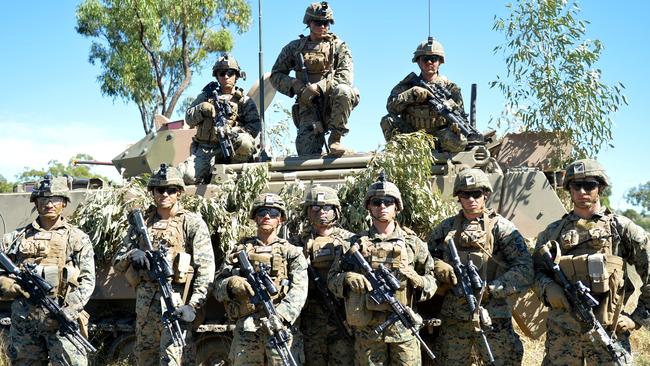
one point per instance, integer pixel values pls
(335, 145)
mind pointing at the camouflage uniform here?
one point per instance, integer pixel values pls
(399, 249)
(32, 339)
(324, 342)
(288, 269)
(457, 343)
(329, 65)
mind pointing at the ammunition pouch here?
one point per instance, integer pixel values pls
(356, 311)
(71, 275)
(183, 270)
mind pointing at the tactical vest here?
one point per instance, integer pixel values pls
(319, 58)
(588, 254)
(205, 133)
(475, 242)
(321, 251)
(422, 116)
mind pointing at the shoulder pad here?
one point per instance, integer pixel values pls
(211, 86)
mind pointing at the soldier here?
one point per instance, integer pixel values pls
(324, 88)
(65, 258)
(407, 258)
(408, 106)
(288, 270)
(594, 246)
(503, 262)
(243, 125)
(327, 341)
(187, 240)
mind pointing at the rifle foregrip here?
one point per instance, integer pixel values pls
(8, 265)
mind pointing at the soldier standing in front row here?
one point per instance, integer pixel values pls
(288, 270)
(409, 109)
(407, 258)
(326, 93)
(65, 259)
(243, 125)
(326, 341)
(503, 262)
(592, 245)
(187, 240)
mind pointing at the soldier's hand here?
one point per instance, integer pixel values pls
(11, 289)
(240, 288)
(414, 278)
(297, 86)
(207, 110)
(186, 313)
(625, 324)
(444, 273)
(555, 296)
(308, 94)
(497, 290)
(138, 259)
(276, 323)
(418, 94)
(357, 282)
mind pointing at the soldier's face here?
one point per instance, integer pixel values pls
(320, 215)
(584, 193)
(227, 78)
(166, 197)
(318, 29)
(50, 207)
(268, 219)
(473, 202)
(429, 64)
(382, 209)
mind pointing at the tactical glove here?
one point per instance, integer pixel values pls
(414, 278)
(444, 273)
(10, 289)
(138, 259)
(555, 297)
(207, 110)
(239, 288)
(625, 324)
(276, 323)
(497, 290)
(418, 94)
(297, 86)
(186, 313)
(357, 282)
(308, 94)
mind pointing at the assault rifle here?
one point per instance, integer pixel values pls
(224, 111)
(264, 288)
(468, 281)
(39, 291)
(440, 94)
(327, 300)
(384, 285)
(316, 100)
(582, 303)
(160, 271)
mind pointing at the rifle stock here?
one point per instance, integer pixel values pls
(224, 111)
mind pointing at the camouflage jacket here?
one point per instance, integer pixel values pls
(78, 253)
(340, 70)
(398, 101)
(197, 244)
(417, 256)
(291, 305)
(630, 243)
(245, 114)
(509, 264)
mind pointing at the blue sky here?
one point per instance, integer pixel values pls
(51, 106)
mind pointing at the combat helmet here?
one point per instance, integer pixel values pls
(318, 11)
(585, 168)
(166, 176)
(382, 188)
(321, 195)
(227, 62)
(51, 187)
(471, 180)
(429, 47)
(268, 200)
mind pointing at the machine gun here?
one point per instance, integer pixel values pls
(329, 303)
(224, 111)
(39, 290)
(384, 285)
(264, 288)
(582, 303)
(316, 100)
(468, 281)
(160, 271)
(439, 95)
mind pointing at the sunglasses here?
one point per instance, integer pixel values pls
(323, 23)
(430, 58)
(273, 213)
(386, 201)
(45, 200)
(169, 190)
(317, 208)
(587, 185)
(230, 73)
(468, 194)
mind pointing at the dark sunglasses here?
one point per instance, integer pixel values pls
(317, 208)
(468, 194)
(324, 23)
(386, 201)
(587, 185)
(169, 190)
(229, 72)
(272, 212)
(53, 200)
(430, 58)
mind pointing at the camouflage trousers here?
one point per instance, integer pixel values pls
(568, 347)
(458, 343)
(154, 344)
(253, 349)
(335, 110)
(202, 157)
(446, 138)
(324, 343)
(374, 351)
(32, 341)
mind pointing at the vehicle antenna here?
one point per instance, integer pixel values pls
(263, 154)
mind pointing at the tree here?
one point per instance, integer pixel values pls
(551, 81)
(56, 168)
(149, 49)
(640, 196)
(5, 186)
